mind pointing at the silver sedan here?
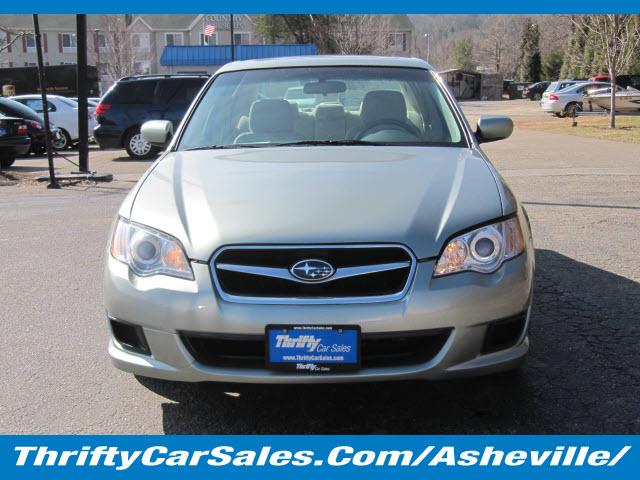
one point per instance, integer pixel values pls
(363, 237)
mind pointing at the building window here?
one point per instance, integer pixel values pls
(140, 42)
(142, 68)
(101, 40)
(212, 40)
(30, 40)
(398, 41)
(69, 42)
(173, 39)
(30, 64)
(241, 38)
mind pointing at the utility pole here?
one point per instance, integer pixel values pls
(233, 42)
(53, 183)
(428, 37)
(81, 82)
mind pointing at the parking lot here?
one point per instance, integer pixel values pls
(582, 374)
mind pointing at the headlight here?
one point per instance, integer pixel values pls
(482, 250)
(149, 252)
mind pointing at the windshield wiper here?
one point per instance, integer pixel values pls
(223, 147)
(326, 142)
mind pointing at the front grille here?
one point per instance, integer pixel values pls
(362, 273)
(378, 350)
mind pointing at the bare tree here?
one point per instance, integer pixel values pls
(616, 37)
(9, 37)
(360, 34)
(118, 55)
(497, 46)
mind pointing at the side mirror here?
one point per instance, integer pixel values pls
(157, 132)
(490, 129)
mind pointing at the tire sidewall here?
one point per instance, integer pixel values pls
(6, 162)
(152, 152)
(67, 141)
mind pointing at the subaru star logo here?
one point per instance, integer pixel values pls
(312, 270)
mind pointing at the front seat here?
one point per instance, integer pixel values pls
(269, 121)
(380, 105)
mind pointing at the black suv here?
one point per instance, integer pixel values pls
(133, 100)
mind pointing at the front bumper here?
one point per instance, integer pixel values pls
(465, 303)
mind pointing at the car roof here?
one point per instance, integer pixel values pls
(160, 76)
(22, 110)
(35, 95)
(325, 61)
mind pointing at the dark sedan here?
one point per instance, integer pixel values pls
(14, 140)
(35, 123)
(535, 91)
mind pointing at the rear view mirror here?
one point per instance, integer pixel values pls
(157, 132)
(493, 128)
(324, 88)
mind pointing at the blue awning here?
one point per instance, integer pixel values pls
(220, 54)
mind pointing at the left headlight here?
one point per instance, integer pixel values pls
(149, 252)
(482, 250)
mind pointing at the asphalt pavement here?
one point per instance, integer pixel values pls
(582, 374)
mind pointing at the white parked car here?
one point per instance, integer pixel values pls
(63, 112)
(566, 101)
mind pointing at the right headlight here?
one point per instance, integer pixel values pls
(482, 250)
(149, 252)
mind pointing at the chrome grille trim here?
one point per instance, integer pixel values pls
(283, 273)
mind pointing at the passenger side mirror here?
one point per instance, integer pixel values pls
(157, 132)
(493, 128)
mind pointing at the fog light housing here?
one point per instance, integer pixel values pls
(130, 337)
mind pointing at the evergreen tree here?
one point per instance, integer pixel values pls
(530, 68)
(463, 54)
(552, 66)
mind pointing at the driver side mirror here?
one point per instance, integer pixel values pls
(157, 132)
(493, 128)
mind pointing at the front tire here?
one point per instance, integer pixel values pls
(536, 97)
(137, 148)
(63, 142)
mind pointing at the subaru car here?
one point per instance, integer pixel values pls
(363, 237)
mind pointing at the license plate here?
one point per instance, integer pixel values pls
(313, 348)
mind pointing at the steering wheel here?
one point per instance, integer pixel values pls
(378, 125)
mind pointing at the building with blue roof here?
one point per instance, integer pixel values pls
(208, 58)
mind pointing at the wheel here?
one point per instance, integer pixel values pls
(571, 109)
(63, 142)
(6, 162)
(137, 148)
(537, 96)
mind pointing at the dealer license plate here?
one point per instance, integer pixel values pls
(313, 348)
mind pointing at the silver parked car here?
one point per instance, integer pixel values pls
(367, 237)
(568, 100)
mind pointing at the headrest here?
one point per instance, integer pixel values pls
(269, 116)
(383, 105)
(327, 111)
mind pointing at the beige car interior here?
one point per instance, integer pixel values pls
(280, 120)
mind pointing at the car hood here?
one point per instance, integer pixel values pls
(315, 195)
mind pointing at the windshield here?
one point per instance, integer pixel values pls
(323, 105)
